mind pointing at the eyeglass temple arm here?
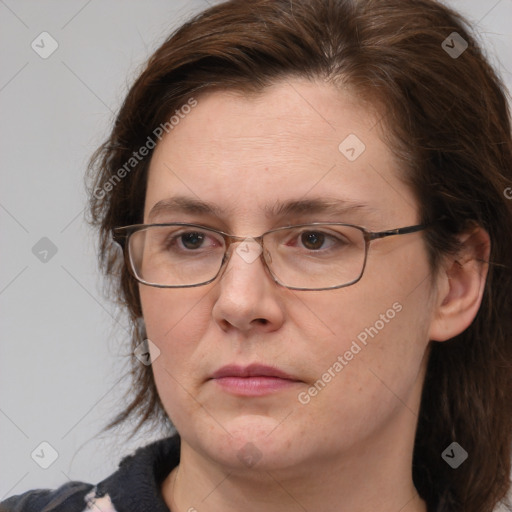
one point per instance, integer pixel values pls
(398, 231)
(119, 235)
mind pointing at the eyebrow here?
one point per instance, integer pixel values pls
(327, 206)
(183, 204)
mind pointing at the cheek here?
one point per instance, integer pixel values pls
(363, 376)
(174, 315)
(366, 344)
(362, 332)
(176, 321)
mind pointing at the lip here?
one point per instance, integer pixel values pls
(253, 370)
(252, 380)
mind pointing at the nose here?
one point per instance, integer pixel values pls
(247, 297)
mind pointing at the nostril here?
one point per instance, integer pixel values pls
(262, 321)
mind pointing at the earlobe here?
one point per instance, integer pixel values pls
(460, 286)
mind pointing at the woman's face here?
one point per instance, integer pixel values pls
(355, 354)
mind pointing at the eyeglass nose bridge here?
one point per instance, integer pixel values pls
(247, 255)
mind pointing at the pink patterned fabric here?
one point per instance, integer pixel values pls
(102, 504)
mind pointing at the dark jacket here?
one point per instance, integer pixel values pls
(134, 487)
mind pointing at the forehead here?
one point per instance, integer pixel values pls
(296, 140)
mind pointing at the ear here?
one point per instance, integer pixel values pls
(460, 286)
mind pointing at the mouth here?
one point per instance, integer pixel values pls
(253, 380)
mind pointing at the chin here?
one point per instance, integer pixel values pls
(250, 442)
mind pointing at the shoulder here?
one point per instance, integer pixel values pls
(134, 486)
(70, 497)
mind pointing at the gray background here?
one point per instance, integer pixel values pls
(63, 344)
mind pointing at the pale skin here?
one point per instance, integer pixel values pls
(349, 448)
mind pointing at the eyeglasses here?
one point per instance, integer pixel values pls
(317, 256)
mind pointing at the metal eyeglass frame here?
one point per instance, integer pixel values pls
(121, 235)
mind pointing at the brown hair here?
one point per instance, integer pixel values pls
(447, 120)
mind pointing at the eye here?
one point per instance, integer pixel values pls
(319, 240)
(312, 240)
(192, 240)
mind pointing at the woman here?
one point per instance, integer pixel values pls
(312, 199)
